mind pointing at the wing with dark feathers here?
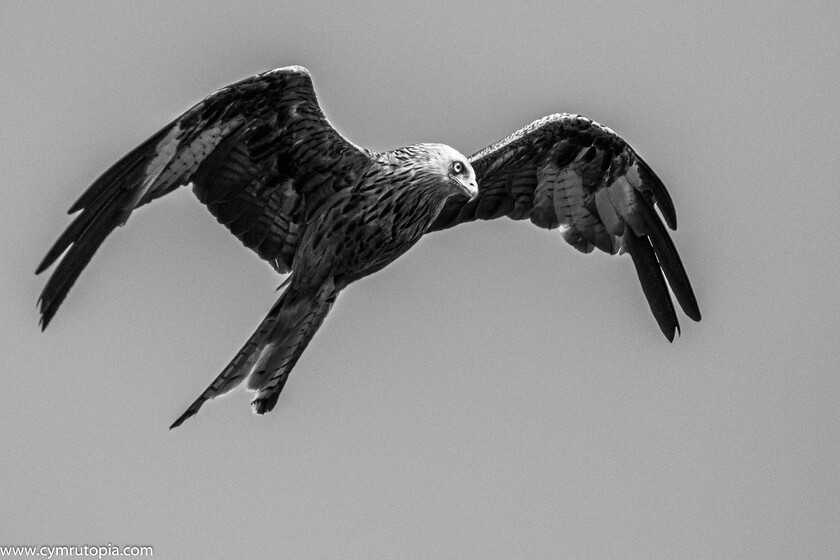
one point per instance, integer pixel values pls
(260, 154)
(565, 171)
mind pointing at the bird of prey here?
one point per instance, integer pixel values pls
(261, 155)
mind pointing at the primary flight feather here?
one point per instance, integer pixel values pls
(261, 155)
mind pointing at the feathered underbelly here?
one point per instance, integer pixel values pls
(360, 233)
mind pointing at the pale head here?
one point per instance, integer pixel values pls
(445, 161)
(454, 165)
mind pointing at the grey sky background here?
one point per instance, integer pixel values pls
(493, 394)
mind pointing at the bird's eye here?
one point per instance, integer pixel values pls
(458, 168)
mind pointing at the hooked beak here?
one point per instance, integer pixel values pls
(470, 187)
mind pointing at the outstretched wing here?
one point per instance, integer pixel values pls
(565, 171)
(260, 154)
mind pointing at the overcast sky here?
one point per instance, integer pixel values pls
(493, 393)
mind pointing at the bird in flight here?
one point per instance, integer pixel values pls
(261, 155)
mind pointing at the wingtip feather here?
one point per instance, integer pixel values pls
(653, 283)
(670, 262)
(660, 193)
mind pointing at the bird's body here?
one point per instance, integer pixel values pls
(265, 161)
(366, 226)
(356, 232)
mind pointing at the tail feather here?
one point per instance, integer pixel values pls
(292, 340)
(271, 352)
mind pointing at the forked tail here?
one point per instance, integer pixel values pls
(272, 351)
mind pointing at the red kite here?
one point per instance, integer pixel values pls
(261, 155)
